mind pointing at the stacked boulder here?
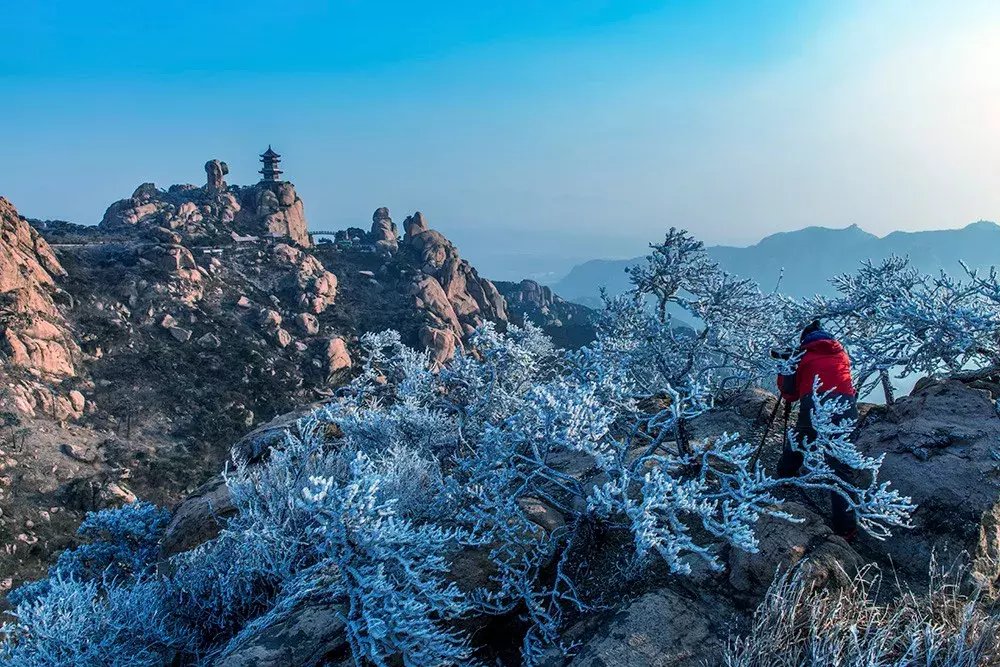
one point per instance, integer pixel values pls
(384, 234)
(454, 298)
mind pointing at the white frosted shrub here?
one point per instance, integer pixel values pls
(368, 499)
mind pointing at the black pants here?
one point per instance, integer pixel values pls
(843, 519)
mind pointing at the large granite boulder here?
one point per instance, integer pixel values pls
(940, 446)
(334, 356)
(36, 339)
(311, 284)
(308, 634)
(215, 172)
(809, 546)
(198, 519)
(746, 412)
(448, 287)
(384, 233)
(430, 298)
(274, 210)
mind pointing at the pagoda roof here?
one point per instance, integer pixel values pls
(269, 153)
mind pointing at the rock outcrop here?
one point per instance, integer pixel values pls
(940, 446)
(213, 212)
(334, 356)
(310, 633)
(569, 324)
(446, 287)
(384, 233)
(215, 172)
(530, 293)
(823, 558)
(198, 519)
(39, 351)
(314, 287)
(274, 210)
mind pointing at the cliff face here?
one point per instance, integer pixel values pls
(448, 289)
(39, 351)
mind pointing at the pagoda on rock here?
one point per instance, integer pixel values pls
(270, 172)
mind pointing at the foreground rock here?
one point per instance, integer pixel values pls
(745, 412)
(198, 519)
(311, 633)
(808, 547)
(664, 627)
(941, 446)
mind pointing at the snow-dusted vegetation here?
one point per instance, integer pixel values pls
(368, 504)
(946, 624)
(898, 321)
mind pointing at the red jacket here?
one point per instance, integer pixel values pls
(824, 357)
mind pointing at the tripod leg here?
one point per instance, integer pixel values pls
(767, 431)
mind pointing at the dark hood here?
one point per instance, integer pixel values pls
(825, 345)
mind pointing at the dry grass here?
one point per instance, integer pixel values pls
(947, 625)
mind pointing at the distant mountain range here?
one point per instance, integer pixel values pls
(809, 258)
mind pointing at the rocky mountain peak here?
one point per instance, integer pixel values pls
(214, 211)
(448, 289)
(216, 171)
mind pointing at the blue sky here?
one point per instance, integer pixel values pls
(535, 134)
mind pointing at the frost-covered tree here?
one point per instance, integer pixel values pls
(102, 603)
(91, 624)
(730, 327)
(120, 545)
(391, 570)
(369, 500)
(895, 320)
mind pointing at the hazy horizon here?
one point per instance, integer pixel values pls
(531, 134)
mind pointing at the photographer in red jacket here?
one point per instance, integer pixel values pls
(824, 358)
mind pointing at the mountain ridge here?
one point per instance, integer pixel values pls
(805, 259)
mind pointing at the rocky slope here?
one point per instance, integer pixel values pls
(568, 324)
(134, 352)
(937, 444)
(193, 318)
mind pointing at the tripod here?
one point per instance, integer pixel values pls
(767, 430)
